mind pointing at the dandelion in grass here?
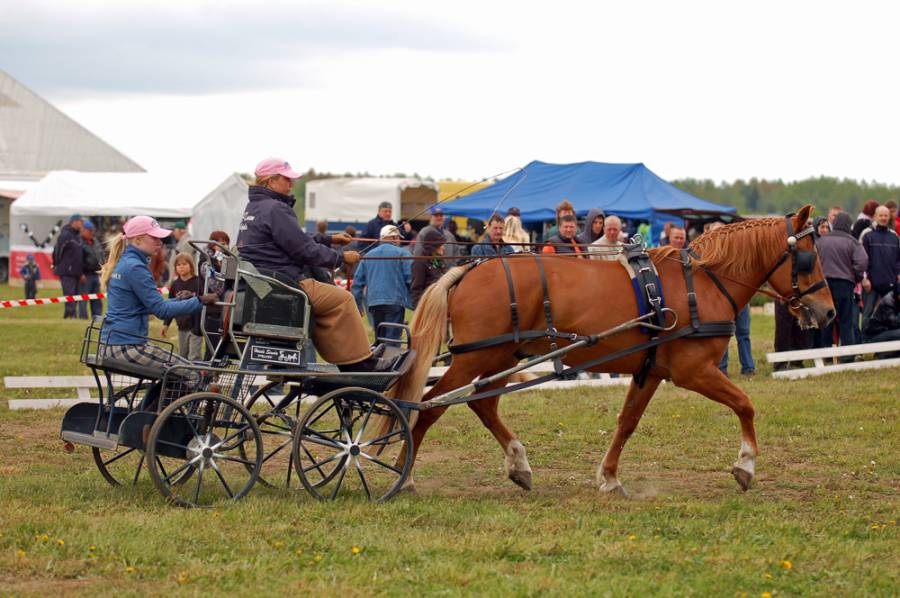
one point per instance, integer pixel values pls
(632, 538)
(92, 548)
(61, 542)
(767, 575)
(278, 544)
(20, 553)
(45, 538)
(317, 558)
(298, 552)
(787, 565)
(766, 595)
(183, 578)
(355, 549)
(129, 569)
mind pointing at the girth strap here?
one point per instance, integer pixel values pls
(513, 306)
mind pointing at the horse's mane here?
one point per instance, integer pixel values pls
(736, 249)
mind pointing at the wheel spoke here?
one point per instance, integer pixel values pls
(189, 421)
(325, 411)
(365, 422)
(236, 459)
(340, 480)
(321, 463)
(138, 471)
(382, 463)
(222, 479)
(231, 437)
(362, 478)
(176, 445)
(381, 439)
(199, 481)
(278, 449)
(119, 456)
(180, 468)
(314, 437)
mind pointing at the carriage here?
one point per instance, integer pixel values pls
(262, 410)
(259, 410)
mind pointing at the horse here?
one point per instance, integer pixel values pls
(588, 296)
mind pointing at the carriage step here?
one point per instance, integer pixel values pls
(97, 439)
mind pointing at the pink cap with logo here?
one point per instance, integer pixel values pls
(271, 166)
(144, 225)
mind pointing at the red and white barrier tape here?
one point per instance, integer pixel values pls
(343, 283)
(62, 299)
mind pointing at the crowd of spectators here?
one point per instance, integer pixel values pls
(861, 263)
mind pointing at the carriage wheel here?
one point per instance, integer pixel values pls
(349, 443)
(123, 466)
(213, 436)
(277, 429)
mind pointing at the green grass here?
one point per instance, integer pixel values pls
(825, 501)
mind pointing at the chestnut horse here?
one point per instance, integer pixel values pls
(590, 296)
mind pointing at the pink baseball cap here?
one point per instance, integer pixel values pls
(271, 166)
(144, 225)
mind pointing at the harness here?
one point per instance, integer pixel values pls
(802, 262)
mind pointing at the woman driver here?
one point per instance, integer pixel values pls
(132, 296)
(270, 237)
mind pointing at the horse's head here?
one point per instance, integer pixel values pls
(797, 275)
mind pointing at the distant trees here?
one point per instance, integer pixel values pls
(761, 196)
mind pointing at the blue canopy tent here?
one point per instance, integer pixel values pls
(626, 190)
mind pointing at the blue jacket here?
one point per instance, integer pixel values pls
(883, 248)
(386, 281)
(132, 296)
(270, 237)
(486, 249)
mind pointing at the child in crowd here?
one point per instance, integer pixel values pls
(30, 273)
(185, 286)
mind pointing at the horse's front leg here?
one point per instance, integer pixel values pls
(713, 384)
(635, 402)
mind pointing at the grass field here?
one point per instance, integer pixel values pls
(820, 520)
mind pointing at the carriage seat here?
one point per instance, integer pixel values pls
(279, 315)
(123, 367)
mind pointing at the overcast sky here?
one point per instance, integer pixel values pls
(467, 89)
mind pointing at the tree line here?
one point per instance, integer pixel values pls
(761, 196)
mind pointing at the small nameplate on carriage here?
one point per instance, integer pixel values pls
(278, 355)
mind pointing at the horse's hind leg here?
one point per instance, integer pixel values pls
(459, 374)
(635, 402)
(715, 385)
(517, 467)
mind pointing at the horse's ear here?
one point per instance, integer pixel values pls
(802, 217)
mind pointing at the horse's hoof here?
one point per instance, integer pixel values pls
(614, 488)
(521, 479)
(408, 488)
(744, 478)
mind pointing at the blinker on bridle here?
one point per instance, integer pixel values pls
(802, 262)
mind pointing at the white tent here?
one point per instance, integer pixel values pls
(208, 206)
(343, 201)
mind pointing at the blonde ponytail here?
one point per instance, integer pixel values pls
(116, 247)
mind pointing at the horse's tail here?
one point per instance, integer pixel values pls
(429, 327)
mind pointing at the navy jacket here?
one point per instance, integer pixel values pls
(883, 248)
(132, 296)
(373, 231)
(68, 253)
(270, 237)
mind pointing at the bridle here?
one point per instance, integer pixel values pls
(802, 262)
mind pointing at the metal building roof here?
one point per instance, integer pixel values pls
(36, 138)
